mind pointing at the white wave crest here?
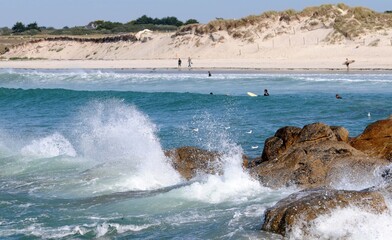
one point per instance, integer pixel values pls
(233, 185)
(50, 146)
(123, 143)
(347, 223)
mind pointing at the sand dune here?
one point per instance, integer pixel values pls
(276, 42)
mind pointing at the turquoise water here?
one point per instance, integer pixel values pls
(81, 152)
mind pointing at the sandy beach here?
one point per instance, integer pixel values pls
(300, 42)
(329, 64)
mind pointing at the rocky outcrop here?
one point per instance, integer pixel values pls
(189, 161)
(305, 206)
(314, 156)
(279, 143)
(376, 139)
(317, 156)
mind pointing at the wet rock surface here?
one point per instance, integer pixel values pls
(189, 161)
(376, 139)
(316, 155)
(314, 158)
(305, 206)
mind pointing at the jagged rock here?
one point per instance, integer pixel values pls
(376, 139)
(341, 133)
(316, 132)
(314, 156)
(305, 206)
(283, 139)
(189, 161)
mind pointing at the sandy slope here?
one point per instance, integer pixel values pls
(280, 46)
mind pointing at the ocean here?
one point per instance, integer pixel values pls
(82, 151)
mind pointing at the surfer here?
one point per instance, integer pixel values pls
(338, 96)
(209, 73)
(266, 92)
(348, 62)
(179, 62)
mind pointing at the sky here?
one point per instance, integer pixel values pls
(60, 13)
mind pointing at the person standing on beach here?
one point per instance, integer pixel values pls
(179, 62)
(189, 62)
(348, 62)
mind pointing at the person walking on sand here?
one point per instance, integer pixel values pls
(347, 63)
(179, 62)
(189, 62)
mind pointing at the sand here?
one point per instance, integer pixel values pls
(295, 49)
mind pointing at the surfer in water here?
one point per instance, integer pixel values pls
(266, 92)
(209, 73)
(338, 96)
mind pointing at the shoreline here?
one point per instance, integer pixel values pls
(204, 65)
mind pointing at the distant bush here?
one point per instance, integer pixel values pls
(5, 31)
(191, 21)
(18, 27)
(156, 21)
(101, 27)
(33, 26)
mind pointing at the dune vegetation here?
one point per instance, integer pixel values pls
(346, 22)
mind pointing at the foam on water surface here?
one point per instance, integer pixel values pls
(81, 152)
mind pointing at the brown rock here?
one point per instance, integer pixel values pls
(276, 145)
(189, 161)
(341, 133)
(314, 156)
(316, 132)
(376, 139)
(317, 164)
(273, 147)
(303, 207)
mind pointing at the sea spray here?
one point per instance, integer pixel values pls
(50, 146)
(64, 196)
(232, 182)
(123, 143)
(346, 223)
(112, 147)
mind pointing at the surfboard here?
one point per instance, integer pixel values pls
(252, 94)
(349, 62)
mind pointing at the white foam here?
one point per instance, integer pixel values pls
(105, 228)
(347, 223)
(37, 230)
(233, 185)
(188, 82)
(50, 146)
(123, 142)
(355, 179)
